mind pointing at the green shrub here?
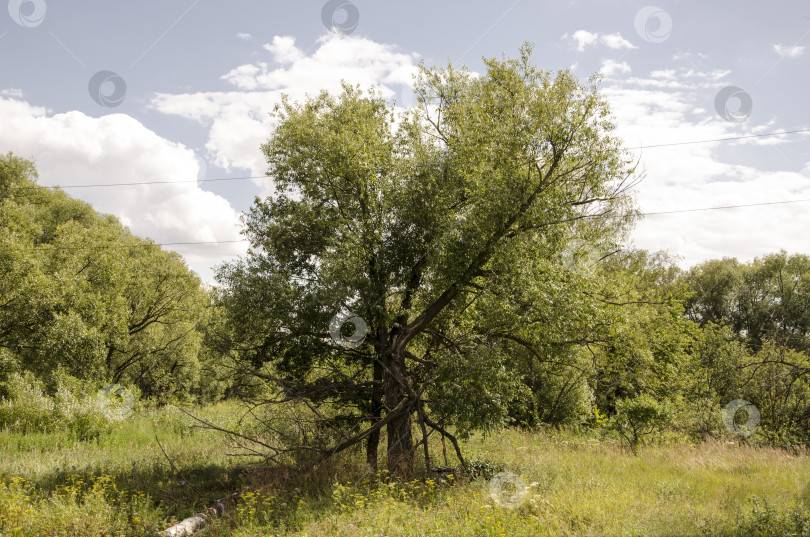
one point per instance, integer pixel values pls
(483, 468)
(764, 517)
(26, 408)
(700, 419)
(76, 406)
(640, 417)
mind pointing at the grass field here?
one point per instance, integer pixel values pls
(557, 484)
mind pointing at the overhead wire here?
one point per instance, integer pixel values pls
(197, 243)
(245, 178)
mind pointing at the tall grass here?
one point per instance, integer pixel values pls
(120, 483)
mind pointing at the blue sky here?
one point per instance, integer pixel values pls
(185, 88)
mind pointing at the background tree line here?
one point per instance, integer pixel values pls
(444, 235)
(79, 293)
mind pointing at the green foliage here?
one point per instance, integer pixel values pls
(699, 418)
(755, 320)
(26, 407)
(474, 394)
(639, 418)
(74, 407)
(763, 301)
(779, 388)
(78, 291)
(122, 485)
(558, 389)
(484, 468)
(763, 517)
(444, 230)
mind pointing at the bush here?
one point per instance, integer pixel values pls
(700, 419)
(75, 407)
(26, 408)
(638, 418)
(78, 407)
(763, 517)
(483, 468)
(559, 395)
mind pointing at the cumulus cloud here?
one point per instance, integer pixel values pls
(788, 52)
(75, 149)
(616, 41)
(696, 176)
(244, 36)
(284, 50)
(670, 105)
(585, 38)
(680, 55)
(11, 92)
(666, 74)
(240, 120)
(612, 67)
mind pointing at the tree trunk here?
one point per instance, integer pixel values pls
(373, 441)
(400, 434)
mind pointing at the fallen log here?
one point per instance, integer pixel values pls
(194, 523)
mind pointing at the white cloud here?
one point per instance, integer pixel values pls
(688, 55)
(616, 41)
(284, 50)
(789, 52)
(681, 177)
(668, 106)
(244, 36)
(75, 149)
(612, 67)
(666, 74)
(240, 120)
(584, 38)
(244, 76)
(681, 78)
(12, 92)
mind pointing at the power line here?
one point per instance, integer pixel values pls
(141, 245)
(166, 182)
(137, 183)
(797, 131)
(201, 242)
(726, 207)
(198, 243)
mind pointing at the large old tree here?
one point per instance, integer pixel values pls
(404, 259)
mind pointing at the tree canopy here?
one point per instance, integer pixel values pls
(79, 292)
(438, 235)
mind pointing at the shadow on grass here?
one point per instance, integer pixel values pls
(174, 496)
